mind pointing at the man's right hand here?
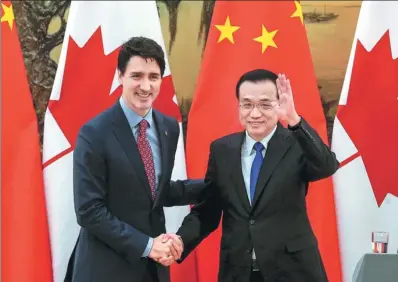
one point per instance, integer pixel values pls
(165, 250)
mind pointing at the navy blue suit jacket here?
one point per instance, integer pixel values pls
(112, 198)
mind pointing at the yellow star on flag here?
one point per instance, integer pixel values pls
(8, 15)
(227, 31)
(298, 13)
(266, 39)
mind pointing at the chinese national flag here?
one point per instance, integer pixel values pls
(25, 246)
(246, 35)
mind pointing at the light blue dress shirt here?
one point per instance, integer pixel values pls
(247, 156)
(152, 136)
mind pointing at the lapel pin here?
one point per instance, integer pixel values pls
(165, 133)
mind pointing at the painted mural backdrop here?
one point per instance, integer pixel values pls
(330, 27)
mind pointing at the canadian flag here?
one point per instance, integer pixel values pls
(365, 136)
(86, 84)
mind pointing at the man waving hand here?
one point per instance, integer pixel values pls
(258, 179)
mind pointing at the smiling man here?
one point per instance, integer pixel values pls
(123, 162)
(258, 180)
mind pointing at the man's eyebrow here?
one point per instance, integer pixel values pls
(136, 72)
(141, 73)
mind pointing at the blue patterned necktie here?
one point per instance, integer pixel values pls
(255, 170)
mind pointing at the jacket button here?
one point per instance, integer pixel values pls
(252, 221)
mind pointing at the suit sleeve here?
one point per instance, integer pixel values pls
(205, 217)
(90, 190)
(186, 192)
(319, 161)
(183, 192)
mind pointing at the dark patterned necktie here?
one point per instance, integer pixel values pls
(146, 156)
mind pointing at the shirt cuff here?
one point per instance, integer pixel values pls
(296, 126)
(148, 247)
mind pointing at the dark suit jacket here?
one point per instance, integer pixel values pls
(276, 225)
(112, 198)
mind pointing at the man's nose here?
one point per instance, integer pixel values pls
(255, 113)
(145, 85)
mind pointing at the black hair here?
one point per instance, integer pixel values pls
(143, 47)
(256, 75)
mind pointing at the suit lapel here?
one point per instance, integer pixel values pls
(236, 172)
(277, 148)
(164, 144)
(124, 134)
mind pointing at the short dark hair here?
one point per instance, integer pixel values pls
(256, 75)
(143, 47)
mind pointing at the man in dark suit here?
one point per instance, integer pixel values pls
(258, 179)
(123, 162)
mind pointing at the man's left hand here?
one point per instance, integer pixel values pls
(285, 108)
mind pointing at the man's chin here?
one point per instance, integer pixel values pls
(258, 129)
(144, 106)
(258, 133)
(141, 108)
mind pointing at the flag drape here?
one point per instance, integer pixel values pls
(365, 136)
(85, 84)
(246, 35)
(25, 246)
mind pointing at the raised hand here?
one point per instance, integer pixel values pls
(285, 108)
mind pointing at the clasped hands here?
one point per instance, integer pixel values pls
(166, 249)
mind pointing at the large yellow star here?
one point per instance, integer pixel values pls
(298, 13)
(266, 39)
(8, 15)
(227, 31)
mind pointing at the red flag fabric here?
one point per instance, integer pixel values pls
(25, 246)
(246, 35)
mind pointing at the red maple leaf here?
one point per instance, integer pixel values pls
(87, 81)
(371, 115)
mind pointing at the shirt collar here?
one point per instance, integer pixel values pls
(249, 142)
(132, 117)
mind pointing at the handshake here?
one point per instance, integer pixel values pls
(166, 249)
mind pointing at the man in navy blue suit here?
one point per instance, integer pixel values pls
(123, 162)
